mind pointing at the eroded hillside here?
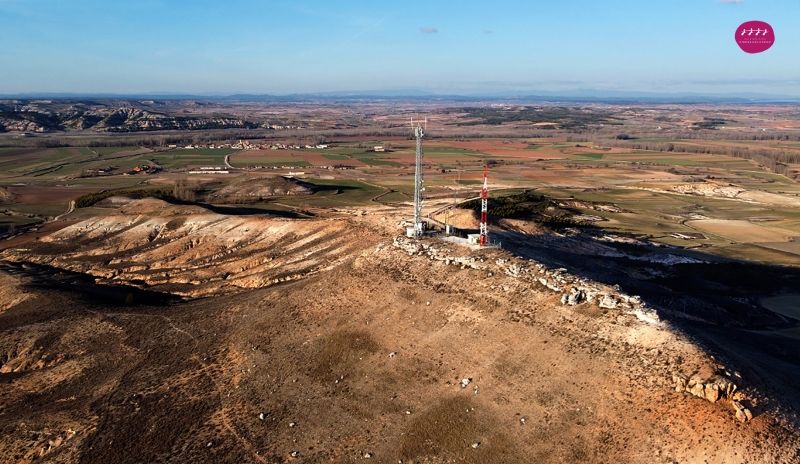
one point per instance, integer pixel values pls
(39, 117)
(158, 334)
(191, 252)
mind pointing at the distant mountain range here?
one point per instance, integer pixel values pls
(411, 94)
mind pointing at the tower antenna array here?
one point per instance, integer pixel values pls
(485, 207)
(418, 188)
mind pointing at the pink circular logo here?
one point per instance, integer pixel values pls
(755, 36)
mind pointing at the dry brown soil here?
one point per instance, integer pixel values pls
(320, 341)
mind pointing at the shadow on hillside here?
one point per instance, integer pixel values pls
(84, 287)
(249, 210)
(264, 207)
(333, 188)
(714, 299)
(240, 210)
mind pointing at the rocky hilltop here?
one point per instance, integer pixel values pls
(156, 333)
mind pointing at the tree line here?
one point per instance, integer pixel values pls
(776, 160)
(90, 199)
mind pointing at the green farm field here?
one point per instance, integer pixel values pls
(640, 182)
(59, 163)
(269, 158)
(202, 151)
(113, 150)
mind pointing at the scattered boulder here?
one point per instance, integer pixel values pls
(726, 387)
(712, 392)
(742, 413)
(608, 302)
(680, 383)
(698, 389)
(574, 297)
(712, 389)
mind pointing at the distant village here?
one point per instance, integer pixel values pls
(154, 168)
(246, 145)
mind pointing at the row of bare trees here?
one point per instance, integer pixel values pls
(776, 160)
(185, 190)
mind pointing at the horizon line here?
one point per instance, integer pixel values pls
(544, 95)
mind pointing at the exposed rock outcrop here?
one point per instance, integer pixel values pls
(713, 389)
(709, 190)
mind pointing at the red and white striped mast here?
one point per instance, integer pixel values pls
(484, 207)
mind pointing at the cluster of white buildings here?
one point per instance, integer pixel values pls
(283, 146)
(246, 145)
(278, 127)
(210, 145)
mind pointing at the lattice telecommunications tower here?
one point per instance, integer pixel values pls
(418, 188)
(485, 207)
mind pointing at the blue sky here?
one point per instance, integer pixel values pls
(464, 47)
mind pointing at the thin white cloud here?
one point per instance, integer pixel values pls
(428, 30)
(362, 32)
(731, 1)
